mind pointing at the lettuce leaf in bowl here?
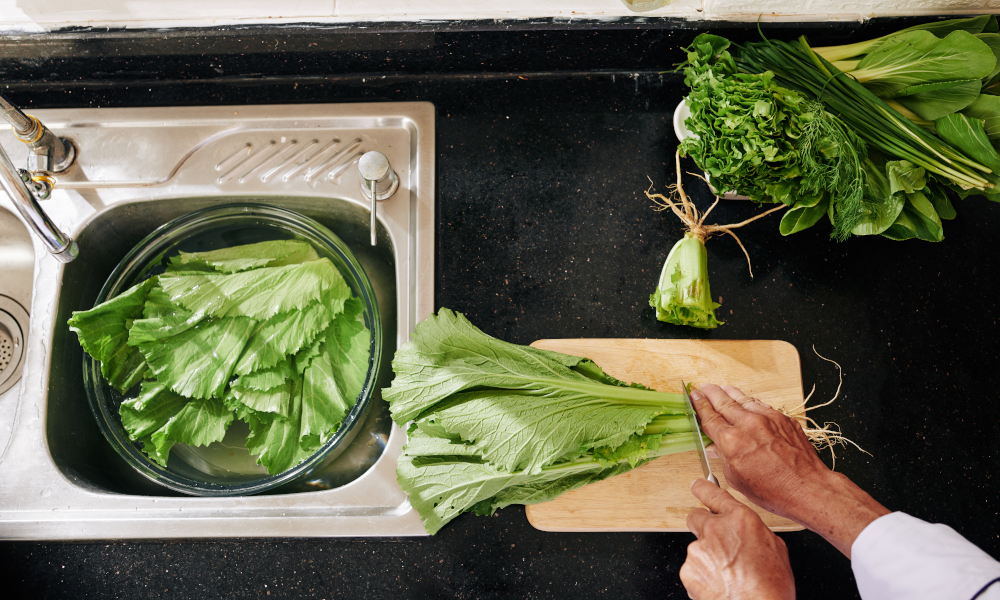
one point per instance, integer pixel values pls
(266, 333)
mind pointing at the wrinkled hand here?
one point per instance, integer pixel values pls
(736, 556)
(767, 457)
(765, 454)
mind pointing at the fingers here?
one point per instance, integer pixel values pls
(712, 496)
(749, 403)
(736, 394)
(712, 423)
(724, 404)
(696, 520)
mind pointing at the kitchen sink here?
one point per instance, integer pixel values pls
(17, 265)
(138, 169)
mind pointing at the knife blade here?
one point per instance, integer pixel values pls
(699, 442)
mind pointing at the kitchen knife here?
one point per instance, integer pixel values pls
(699, 442)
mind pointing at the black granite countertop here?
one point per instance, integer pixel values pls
(546, 135)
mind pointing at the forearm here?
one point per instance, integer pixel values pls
(837, 509)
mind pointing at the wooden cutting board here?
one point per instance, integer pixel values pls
(657, 496)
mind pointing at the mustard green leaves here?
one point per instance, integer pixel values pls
(492, 423)
(267, 333)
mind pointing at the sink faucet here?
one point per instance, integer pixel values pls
(26, 187)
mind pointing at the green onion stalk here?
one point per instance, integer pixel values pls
(683, 295)
(796, 66)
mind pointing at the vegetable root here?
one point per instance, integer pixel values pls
(829, 435)
(685, 210)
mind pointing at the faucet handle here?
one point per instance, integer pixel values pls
(378, 181)
(49, 153)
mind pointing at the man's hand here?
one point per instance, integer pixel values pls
(767, 457)
(736, 556)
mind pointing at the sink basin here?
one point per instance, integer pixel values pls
(138, 169)
(17, 265)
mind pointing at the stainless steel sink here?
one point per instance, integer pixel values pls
(17, 265)
(138, 169)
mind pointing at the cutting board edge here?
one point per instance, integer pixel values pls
(777, 529)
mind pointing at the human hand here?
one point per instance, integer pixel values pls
(765, 454)
(767, 457)
(736, 556)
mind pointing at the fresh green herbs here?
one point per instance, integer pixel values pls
(890, 134)
(768, 142)
(819, 129)
(492, 423)
(267, 333)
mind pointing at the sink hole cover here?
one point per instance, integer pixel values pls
(13, 324)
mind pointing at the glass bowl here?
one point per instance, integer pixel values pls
(227, 468)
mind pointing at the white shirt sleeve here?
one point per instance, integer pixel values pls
(900, 557)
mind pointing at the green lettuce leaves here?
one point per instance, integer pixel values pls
(104, 330)
(267, 333)
(492, 423)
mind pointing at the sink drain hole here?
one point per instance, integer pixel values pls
(6, 349)
(13, 324)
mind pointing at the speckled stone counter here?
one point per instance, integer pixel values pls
(547, 136)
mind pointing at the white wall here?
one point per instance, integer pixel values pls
(43, 15)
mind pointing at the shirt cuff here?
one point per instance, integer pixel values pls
(898, 556)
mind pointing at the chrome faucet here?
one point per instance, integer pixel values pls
(26, 187)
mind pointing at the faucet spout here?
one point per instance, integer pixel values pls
(60, 245)
(49, 154)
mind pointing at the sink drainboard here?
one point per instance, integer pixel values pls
(138, 168)
(13, 324)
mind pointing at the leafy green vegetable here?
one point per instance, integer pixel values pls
(682, 295)
(198, 362)
(104, 330)
(280, 443)
(273, 253)
(764, 141)
(336, 375)
(804, 214)
(267, 333)
(973, 25)
(283, 335)
(919, 57)
(443, 480)
(259, 293)
(918, 219)
(932, 101)
(993, 41)
(969, 135)
(930, 71)
(987, 108)
(797, 67)
(496, 424)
